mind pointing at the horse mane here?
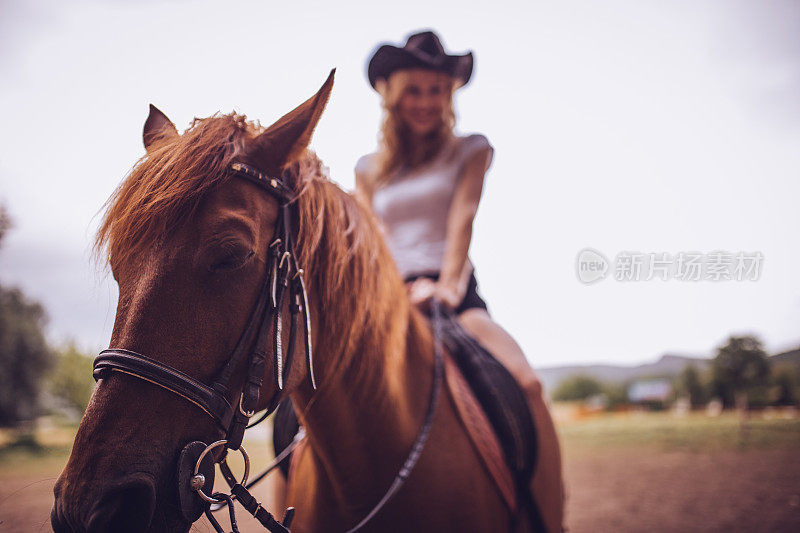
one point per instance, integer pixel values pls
(166, 185)
(359, 291)
(349, 269)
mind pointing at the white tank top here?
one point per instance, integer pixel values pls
(414, 205)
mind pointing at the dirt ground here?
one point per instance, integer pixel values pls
(616, 490)
(612, 490)
(619, 488)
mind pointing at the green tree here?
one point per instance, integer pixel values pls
(5, 222)
(739, 366)
(616, 395)
(71, 379)
(787, 384)
(577, 388)
(24, 355)
(688, 383)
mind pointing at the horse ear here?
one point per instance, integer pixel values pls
(290, 135)
(157, 127)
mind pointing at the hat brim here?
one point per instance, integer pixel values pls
(388, 59)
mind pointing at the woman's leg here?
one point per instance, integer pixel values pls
(547, 484)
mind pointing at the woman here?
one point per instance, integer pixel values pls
(425, 183)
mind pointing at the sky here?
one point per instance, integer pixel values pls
(626, 127)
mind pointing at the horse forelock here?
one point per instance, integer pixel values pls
(167, 184)
(348, 267)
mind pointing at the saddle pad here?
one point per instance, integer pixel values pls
(500, 397)
(506, 407)
(480, 432)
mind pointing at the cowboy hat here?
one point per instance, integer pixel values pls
(422, 50)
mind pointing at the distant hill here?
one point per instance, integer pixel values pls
(792, 357)
(667, 365)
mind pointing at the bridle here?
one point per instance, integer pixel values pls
(196, 462)
(284, 277)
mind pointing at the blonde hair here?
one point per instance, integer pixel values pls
(397, 147)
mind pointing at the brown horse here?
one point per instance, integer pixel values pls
(188, 247)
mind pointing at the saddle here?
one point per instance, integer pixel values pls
(491, 406)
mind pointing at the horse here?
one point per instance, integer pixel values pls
(189, 246)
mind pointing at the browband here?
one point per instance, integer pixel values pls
(273, 185)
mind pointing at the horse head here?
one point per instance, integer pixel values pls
(191, 248)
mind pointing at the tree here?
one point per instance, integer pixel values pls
(688, 384)
(24, 355)
(616, 395)
(577, 388)
(787, 383)
(5, 222)
(71, 380)
(740, 365)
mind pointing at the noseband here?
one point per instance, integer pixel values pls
(284, 276)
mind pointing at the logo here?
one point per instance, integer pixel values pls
(591, 266)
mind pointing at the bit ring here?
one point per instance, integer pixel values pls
(210, 447)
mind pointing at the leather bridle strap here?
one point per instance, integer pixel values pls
(284, 281)
(283, 278)
(424, 432)
(166, 377)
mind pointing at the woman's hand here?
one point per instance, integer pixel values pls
(448, 296)
(421, 292)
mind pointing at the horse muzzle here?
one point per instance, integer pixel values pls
(126, 506)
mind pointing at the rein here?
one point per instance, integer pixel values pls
(422, 437)
(196, 462)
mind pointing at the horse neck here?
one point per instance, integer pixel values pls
(364, 423)
(365, 417)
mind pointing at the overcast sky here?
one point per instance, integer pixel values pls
(622, 126)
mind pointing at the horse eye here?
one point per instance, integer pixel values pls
(232, 258)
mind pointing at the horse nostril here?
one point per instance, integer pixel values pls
(57, 522)
(127, 507)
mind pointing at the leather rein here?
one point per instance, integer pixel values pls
(196, 464)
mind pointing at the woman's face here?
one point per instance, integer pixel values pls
(423, 100)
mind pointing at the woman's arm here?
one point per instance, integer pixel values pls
(364, 181)
(454, 276)
(363, 191)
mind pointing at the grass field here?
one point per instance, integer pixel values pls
(624, 472)
(666, 431)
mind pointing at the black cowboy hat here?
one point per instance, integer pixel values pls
(422, 50)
